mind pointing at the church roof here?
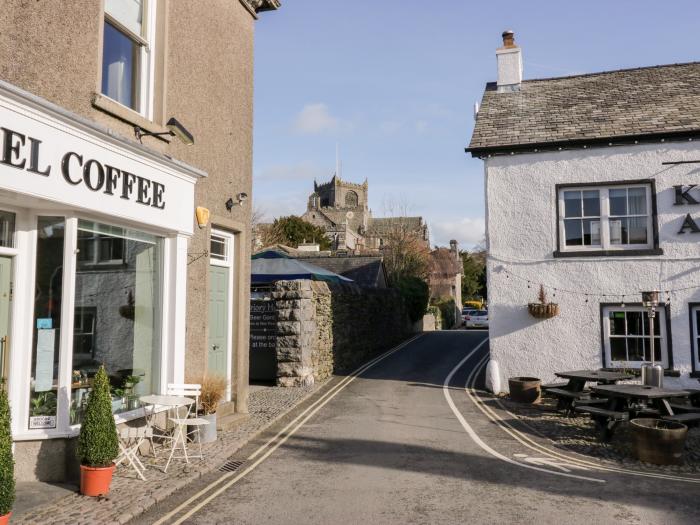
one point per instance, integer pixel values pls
(387, 224)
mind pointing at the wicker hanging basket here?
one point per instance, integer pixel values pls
(543, 310)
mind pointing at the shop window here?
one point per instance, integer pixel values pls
(127, 52)
(7, 229)
(117, 315)
(627, 336)
(47, 322)
(613, 218)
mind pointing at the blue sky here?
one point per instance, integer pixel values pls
(394, 82)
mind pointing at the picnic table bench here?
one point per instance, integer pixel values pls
(574, 393)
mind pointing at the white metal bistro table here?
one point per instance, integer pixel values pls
(179, 436)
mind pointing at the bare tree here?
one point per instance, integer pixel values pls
(405, 245)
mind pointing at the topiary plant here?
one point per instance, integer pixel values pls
(7, 461)
(98, 445)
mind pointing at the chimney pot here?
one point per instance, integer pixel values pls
(508, 38)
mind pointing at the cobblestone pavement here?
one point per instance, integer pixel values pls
(578, 434)
(129, 496)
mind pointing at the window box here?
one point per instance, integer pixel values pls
(609, 219)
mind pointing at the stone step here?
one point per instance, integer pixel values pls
(230, 421)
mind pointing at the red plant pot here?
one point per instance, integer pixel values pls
(95, 481)
(5, 518)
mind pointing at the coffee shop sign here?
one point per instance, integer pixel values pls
(22, 152)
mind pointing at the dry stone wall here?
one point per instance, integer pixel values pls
(325, 328)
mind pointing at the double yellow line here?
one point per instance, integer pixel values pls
(199, 500)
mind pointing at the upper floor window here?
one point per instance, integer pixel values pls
(606, 218)
(127, 51)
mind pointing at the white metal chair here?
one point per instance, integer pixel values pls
(180, 434)
(130, 440)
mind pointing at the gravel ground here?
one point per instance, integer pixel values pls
(579, 434)
(129, 496)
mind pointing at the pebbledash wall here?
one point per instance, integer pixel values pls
(521, 215)
(323, 328)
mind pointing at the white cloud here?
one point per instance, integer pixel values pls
(315, 118)
(303, 171)
(468, 231)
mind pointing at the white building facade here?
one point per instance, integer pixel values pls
(590, 194)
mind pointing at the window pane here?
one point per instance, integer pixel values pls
(637, 230)
(120, 63)
(635, 349)
(573, 232)
(617, 323)
(618, 349)
(47, 322)
(572, 204)
(119, 311)
(657, 325)
(127, 12)
(591, 232)
(7, 229)
(637, 201)
(618, 201)
(618, 231)
(635, 323)
(217, 248)
(591, 203)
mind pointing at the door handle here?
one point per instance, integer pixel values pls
(214, 347)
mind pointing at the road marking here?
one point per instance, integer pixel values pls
(550, 462)
(541, 449)
(475, 437)
(274, 443)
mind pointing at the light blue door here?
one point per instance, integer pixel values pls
(219, 302)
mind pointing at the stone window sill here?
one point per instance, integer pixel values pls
(128, 115)
(608, 253)
(668, 372)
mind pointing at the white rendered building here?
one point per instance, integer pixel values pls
(590, 193)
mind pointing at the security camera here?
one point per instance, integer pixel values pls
(242, 197)
(179, 131)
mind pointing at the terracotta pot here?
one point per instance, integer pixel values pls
(95, 481)
(543, 311)
(658, 441)
(524, 389)
(5, 518)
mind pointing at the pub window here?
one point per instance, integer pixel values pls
(127, 51)
(610, 218)
(695, 335)
(626, 336)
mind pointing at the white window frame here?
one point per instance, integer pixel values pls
(661, 314)
(695, 334)
(605, 219)
(227, 262)
(146, 71)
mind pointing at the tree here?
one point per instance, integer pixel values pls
(406, 252)
(474, 280)
(293, 230)
(98, 445)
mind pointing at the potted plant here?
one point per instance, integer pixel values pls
(543, 309)
(7, 462)
(98, 445)
(130, 389)
(213, 391)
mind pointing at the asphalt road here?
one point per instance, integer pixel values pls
(397, 445)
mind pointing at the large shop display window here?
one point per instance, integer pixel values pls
(116, 287)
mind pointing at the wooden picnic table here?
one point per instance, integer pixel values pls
(628, 401)
(575, 389)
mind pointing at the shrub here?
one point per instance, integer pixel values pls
(213, 391)
(97, 444)
(7, 462)
(432, 309)
(448, 311)
(415, 295)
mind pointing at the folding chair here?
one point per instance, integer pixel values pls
(130, 440)
(180, 434)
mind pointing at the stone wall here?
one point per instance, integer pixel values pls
(325, 328)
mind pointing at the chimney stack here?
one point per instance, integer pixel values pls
(510, 64)
(454, 248)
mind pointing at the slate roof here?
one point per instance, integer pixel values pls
(628, 103)
(366, 271)
(386, 224)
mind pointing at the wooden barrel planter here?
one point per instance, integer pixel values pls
(524, 389)
(657, 441)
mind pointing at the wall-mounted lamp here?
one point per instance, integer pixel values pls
(175, 129)
(202, 215)
(240, 199)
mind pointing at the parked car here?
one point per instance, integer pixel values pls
(477, 319)
(466, 313)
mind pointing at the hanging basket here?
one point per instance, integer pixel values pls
(543, 311)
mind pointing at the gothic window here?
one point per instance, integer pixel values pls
(351, 199)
